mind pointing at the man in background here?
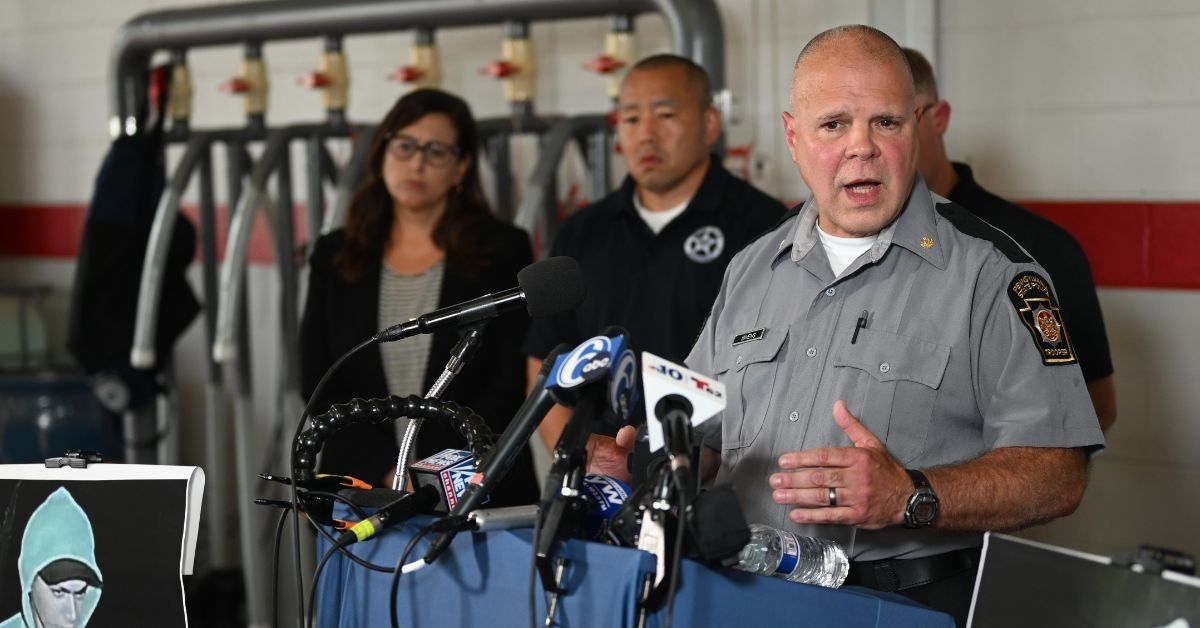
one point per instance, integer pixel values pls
(1048, 243)
(653, 252)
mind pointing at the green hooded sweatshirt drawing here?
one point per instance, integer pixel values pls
(58, 529)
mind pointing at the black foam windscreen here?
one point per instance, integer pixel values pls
(551, 286)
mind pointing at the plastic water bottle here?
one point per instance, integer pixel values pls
(782, 554)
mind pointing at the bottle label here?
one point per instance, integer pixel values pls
(791, 554)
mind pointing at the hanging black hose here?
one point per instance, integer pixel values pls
(479, 436)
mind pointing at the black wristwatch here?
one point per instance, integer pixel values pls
(922, 506)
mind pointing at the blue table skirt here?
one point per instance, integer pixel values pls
(482, 580)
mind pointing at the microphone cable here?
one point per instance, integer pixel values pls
(332, 540)
(275, 567)
(312, 592)
(358, 512)
(394, 593)
(316, 394)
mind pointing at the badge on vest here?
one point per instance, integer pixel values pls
(1031, 295)
(705, 244)
(749, 336)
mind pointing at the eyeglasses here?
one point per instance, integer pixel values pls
(437, 154)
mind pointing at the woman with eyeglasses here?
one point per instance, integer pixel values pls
(418, 236)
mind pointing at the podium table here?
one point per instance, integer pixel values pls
(482, 580)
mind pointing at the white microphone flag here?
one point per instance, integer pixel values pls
(662, 377)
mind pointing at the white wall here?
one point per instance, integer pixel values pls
(1067, 99)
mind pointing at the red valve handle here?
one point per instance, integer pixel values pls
(315, 80)
(407, 74)
(499, 69)
(235, 86)
(604, 64)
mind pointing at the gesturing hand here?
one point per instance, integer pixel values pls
(869, 487)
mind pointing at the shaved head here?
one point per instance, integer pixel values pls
(852, 131)
(853, 43)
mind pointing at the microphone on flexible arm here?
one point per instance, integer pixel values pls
(551, 286)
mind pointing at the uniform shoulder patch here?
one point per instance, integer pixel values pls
(977, 227)
(1031, 296)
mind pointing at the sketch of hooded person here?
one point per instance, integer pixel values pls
(60, 580)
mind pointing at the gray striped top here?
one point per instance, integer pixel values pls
(402, 298)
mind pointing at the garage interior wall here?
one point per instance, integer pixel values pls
(1088, 105)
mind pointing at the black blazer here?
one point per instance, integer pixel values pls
(340, 314)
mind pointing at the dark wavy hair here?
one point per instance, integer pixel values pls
(461, 230)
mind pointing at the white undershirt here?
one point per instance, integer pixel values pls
(843, 251)
(657, 220)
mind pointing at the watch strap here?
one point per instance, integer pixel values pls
(918, 479)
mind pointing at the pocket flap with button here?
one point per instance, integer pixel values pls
(889, 357)
(738, 357)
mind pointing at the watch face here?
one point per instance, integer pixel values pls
(924, 511)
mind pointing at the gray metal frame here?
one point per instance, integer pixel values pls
(695, 27)
(539, 206)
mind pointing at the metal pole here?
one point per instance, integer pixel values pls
(315, 211)
(499, 156)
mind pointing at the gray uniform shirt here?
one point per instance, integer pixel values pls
(962, 351)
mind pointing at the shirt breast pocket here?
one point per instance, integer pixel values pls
(891, 383)
(749, 371)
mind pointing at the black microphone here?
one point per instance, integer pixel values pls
(402, 508)
(674, 411)
(515, 437)
(493, 468)
(551, 286)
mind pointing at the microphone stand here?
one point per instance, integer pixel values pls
(562, 502)
(462, 353)
(671, 508)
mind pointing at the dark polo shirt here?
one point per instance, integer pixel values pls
(661, 286)
(1060, 255)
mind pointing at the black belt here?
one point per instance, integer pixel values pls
(899, 574)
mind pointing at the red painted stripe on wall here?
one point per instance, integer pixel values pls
(54, 231)
(41, 231)
(1132, 244)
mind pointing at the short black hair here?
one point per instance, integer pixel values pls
(697, 78)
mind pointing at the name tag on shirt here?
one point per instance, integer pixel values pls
(749, 336)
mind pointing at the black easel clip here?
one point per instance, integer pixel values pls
(75, 459)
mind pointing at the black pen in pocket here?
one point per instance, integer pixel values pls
(860, 324)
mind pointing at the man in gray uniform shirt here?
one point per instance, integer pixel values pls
(899, 377)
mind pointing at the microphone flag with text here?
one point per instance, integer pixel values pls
(563, 378)
(671, 388)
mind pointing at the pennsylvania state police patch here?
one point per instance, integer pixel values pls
(1031, 295)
